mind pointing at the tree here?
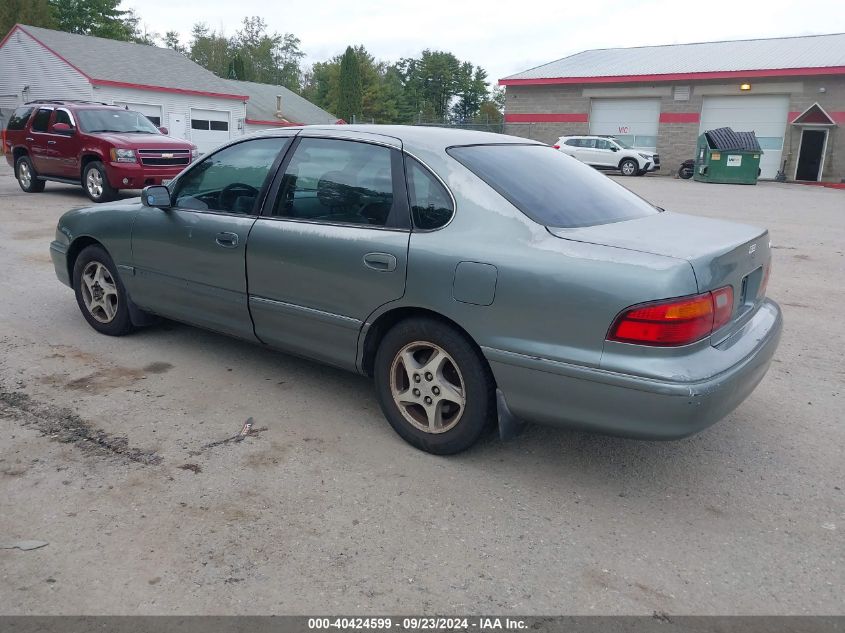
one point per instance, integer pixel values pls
(171, 40)
(101, 18)
(431, 82)
(350, 97)
(31, 12)
(210, 49)
(471, 88)
(270, 58)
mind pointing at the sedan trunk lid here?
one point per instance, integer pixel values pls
(721, 253)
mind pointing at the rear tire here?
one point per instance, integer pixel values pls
(100, 294)
(629, 167)
(95, 181)
(27, 176)
(685, 173)
(433, 386)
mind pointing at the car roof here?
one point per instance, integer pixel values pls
(411, 136)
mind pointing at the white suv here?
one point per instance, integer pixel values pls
(606, 152)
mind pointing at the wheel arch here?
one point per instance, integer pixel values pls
(76, 247)
(86, 159)
(385, 321)
(625, 158)
(17, 152)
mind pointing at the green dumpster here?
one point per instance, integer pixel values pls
(725, 156)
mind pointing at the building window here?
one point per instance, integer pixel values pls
(204, 124)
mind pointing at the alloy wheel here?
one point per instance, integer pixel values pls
(94, 183)
(628, 168)
(99, 292)
(427, 387)
(24, 174)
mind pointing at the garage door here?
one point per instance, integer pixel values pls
(632, 121)
(152, 112)
(765, 115)
(209, 128)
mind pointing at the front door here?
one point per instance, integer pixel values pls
(189, 262)
(64, 146)
(330, 247)
(810, 156)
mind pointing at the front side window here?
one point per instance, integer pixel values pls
(431, 205)
(231, 179)
(602, 144)
(115, 120)
(19, 119)
(337, 181)
(550, 187)
(41, 120)
(62, 117)
(588, 142)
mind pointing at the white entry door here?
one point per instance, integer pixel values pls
(176, 126)
(765, 115)
(632, 121)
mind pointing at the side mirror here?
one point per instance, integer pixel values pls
(613, 148)
(61, 128)
(163, 130)
(157, 196)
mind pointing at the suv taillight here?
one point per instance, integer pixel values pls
(674, 321)
(556, 146)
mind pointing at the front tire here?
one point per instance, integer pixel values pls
(96, 183)
(629, 167)
(100, 294)
(27, 177)
(433, 386)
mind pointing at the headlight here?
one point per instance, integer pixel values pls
(646, 156)
(195, 154)
(122, 155)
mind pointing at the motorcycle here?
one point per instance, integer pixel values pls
(686, 169)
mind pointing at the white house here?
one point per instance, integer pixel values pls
(171, 90)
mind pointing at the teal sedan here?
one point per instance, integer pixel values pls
(480, 279)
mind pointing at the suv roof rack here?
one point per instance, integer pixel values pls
(66, 101)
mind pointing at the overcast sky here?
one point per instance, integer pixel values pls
(503, 38)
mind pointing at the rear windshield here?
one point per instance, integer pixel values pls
(19, 119)
(551, 188)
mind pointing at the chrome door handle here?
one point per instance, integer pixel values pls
(51, 142)
(30, 139)
(227, 239)
(382, 262)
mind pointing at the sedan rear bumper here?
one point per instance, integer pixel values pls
(561, 394)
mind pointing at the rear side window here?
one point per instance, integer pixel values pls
(574, 142)
(550, 187)
(19, 119)
(42, 118)
(431, 205)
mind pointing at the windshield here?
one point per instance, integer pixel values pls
(621, 144)
(123, 121)
(550, 187)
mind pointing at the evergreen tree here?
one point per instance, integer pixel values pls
(350, 97)
(30, 12)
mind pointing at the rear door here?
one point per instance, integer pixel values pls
(331, 245)
(588, 153)
(36, 142)
(189, 261)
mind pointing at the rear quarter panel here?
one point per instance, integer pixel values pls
(553, 298)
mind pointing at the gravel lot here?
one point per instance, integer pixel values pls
(104, 453)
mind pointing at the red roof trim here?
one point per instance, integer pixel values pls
(722, 74)
(181, 91)
(547, 117)
(122, 84)
(680, 117)
(274, 123)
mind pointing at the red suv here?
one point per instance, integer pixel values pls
(102, 147)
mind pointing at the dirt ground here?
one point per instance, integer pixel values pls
(112, 451)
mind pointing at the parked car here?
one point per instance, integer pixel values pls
(101, 147)
(606, 152)
(433, 260)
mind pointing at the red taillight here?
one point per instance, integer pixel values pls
(674, 321)
(556, 146)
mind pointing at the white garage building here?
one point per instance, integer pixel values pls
(167, 87)
(790, 91)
